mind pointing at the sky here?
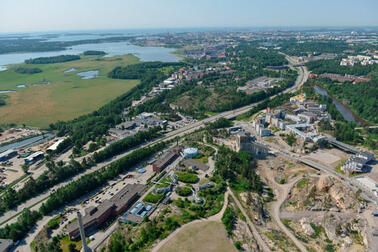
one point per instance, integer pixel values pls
(55, 15)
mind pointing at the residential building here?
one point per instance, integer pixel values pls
(264, 132)
(357, 162)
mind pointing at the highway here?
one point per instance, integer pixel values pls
(36, 202)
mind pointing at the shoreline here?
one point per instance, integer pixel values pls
(357, 118)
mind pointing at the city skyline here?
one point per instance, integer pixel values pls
(46, 15)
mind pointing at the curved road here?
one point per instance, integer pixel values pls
(37, 201)
(283, 191)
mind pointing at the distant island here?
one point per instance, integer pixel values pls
(93, 52)
(53, 59)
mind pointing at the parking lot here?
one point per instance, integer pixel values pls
(11, 170)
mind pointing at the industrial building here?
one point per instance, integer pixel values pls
(96, 216)
(6, 155)
(165, 160)
(54, 146)
(34, 157)
(137, 214)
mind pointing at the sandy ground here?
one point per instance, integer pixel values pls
(12, 172)
(203, 236)
(16, 133)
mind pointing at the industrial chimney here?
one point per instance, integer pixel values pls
(85, 247)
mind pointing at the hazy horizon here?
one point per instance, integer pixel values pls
(70, 15)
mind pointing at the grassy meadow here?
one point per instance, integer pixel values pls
(66, 96)
(207, 236)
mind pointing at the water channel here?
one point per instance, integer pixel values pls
(344, 110)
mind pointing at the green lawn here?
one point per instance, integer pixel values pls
(67, 96)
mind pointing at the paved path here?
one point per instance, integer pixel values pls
(37, 201)
(260, 241)
(282, 193)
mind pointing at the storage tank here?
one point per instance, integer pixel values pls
(190, 152)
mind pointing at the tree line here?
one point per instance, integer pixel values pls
(58, 173)
(93, 52)
(52, 59)
(76, 189)
(333, 66)
(41, 45)
(27, 70)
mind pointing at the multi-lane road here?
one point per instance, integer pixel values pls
(37, 201)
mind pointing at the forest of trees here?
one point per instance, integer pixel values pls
(292, 47)
(333, 66)
(239, 169)
(26, 70)
(52, 59)
(342, 130)
(364, 104)
(258, 57)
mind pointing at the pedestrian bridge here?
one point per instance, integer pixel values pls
(343, 146)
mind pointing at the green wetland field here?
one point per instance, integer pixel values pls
(54, 95)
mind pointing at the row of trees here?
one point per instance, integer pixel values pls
(75, 190)
(126, 144)
(26, 70)
(92, 52)
(58, 173)
(52, 59)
